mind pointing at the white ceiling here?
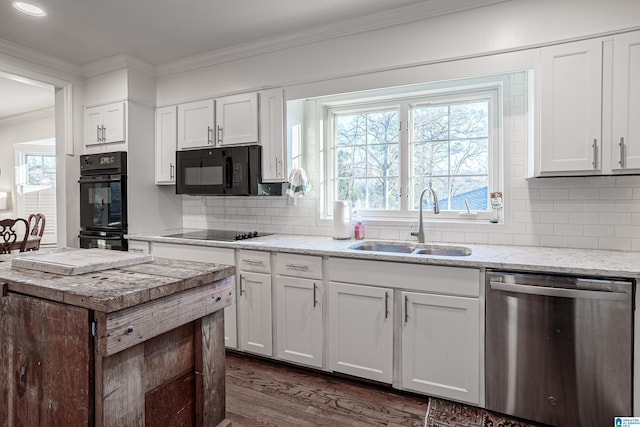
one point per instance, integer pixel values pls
(162, 31)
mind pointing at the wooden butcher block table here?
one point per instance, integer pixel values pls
(91, 337)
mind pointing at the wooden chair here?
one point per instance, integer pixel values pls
(36, 227)
(11, 237)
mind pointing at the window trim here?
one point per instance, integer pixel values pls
(491, 88)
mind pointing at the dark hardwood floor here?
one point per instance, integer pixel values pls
(265, 393)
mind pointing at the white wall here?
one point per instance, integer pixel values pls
(595, 212)
(511, 25)
(23, 128)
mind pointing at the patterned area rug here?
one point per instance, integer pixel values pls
(443, 413)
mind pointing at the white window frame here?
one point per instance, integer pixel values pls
(490, 88)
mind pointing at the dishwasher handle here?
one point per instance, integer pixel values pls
(558, 292)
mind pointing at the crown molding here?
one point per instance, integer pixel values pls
(115, 63)
(403, 15)
(28, 116)
(39, 59)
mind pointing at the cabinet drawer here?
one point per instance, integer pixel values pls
(426, 278)
(125, 328)
(299, 266)
(257, 261)
(193, 253)
(138, 246)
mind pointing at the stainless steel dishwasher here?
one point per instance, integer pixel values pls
(559, 350)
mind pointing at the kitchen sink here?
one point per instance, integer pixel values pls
(413, 249)
(383, 247)
(443, 250)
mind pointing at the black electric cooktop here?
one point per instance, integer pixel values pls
(220, 235)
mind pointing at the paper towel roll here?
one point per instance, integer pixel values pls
(342, 219)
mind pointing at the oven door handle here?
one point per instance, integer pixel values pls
(99, 179)
(558, 292)
(88, 236)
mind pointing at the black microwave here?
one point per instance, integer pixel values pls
(228, 171)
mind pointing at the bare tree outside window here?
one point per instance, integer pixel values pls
(368, 159)
(451, 154)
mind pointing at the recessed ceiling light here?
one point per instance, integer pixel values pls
(28, 8)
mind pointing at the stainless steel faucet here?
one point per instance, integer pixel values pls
(436, 210)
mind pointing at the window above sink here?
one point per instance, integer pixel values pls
(381, 148)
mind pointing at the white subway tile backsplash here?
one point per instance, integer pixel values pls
(582, 242)
(616, 193)
(554, 217)
(616, 244)
(568, 229)
(582, 193)
(619, 218)
(554, 193)
(598, 230)
(554, 241)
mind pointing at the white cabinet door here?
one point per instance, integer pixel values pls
(195, 124)
(272, 136)
(254, 313)
(360, 335)
(625, 149)
(105, 124)
(299, 330)
(93, 125)
(114, 122)
(571, 108)
(207, 254)
(237, 119)
(166, 144)
(441, 345)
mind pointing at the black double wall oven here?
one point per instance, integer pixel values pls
(103, 201)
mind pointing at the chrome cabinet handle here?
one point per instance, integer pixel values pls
(622, 153)
(171, 172)
(315, 299)
(299, 267)
(252, 262)
(98, 137)
(595, 153)
(209, 135)
(104, 134)
(386, 305)
(406, 309)
(219, 134)
(241, 290)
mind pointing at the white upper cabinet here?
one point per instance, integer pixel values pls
(195, 124)
(237, 119)
(625, 138)
(166, 144)
(105, 127)
(589, 101)
(571, 108)
(272, 136)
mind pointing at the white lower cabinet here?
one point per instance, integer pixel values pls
(426, 339)
(361, 331)
(441, 345)
(299, 306)
(255, 333)
(203, 254)
(299, 328)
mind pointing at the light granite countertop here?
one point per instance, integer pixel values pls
(600, 263)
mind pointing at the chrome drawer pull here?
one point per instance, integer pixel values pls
(300, 267)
